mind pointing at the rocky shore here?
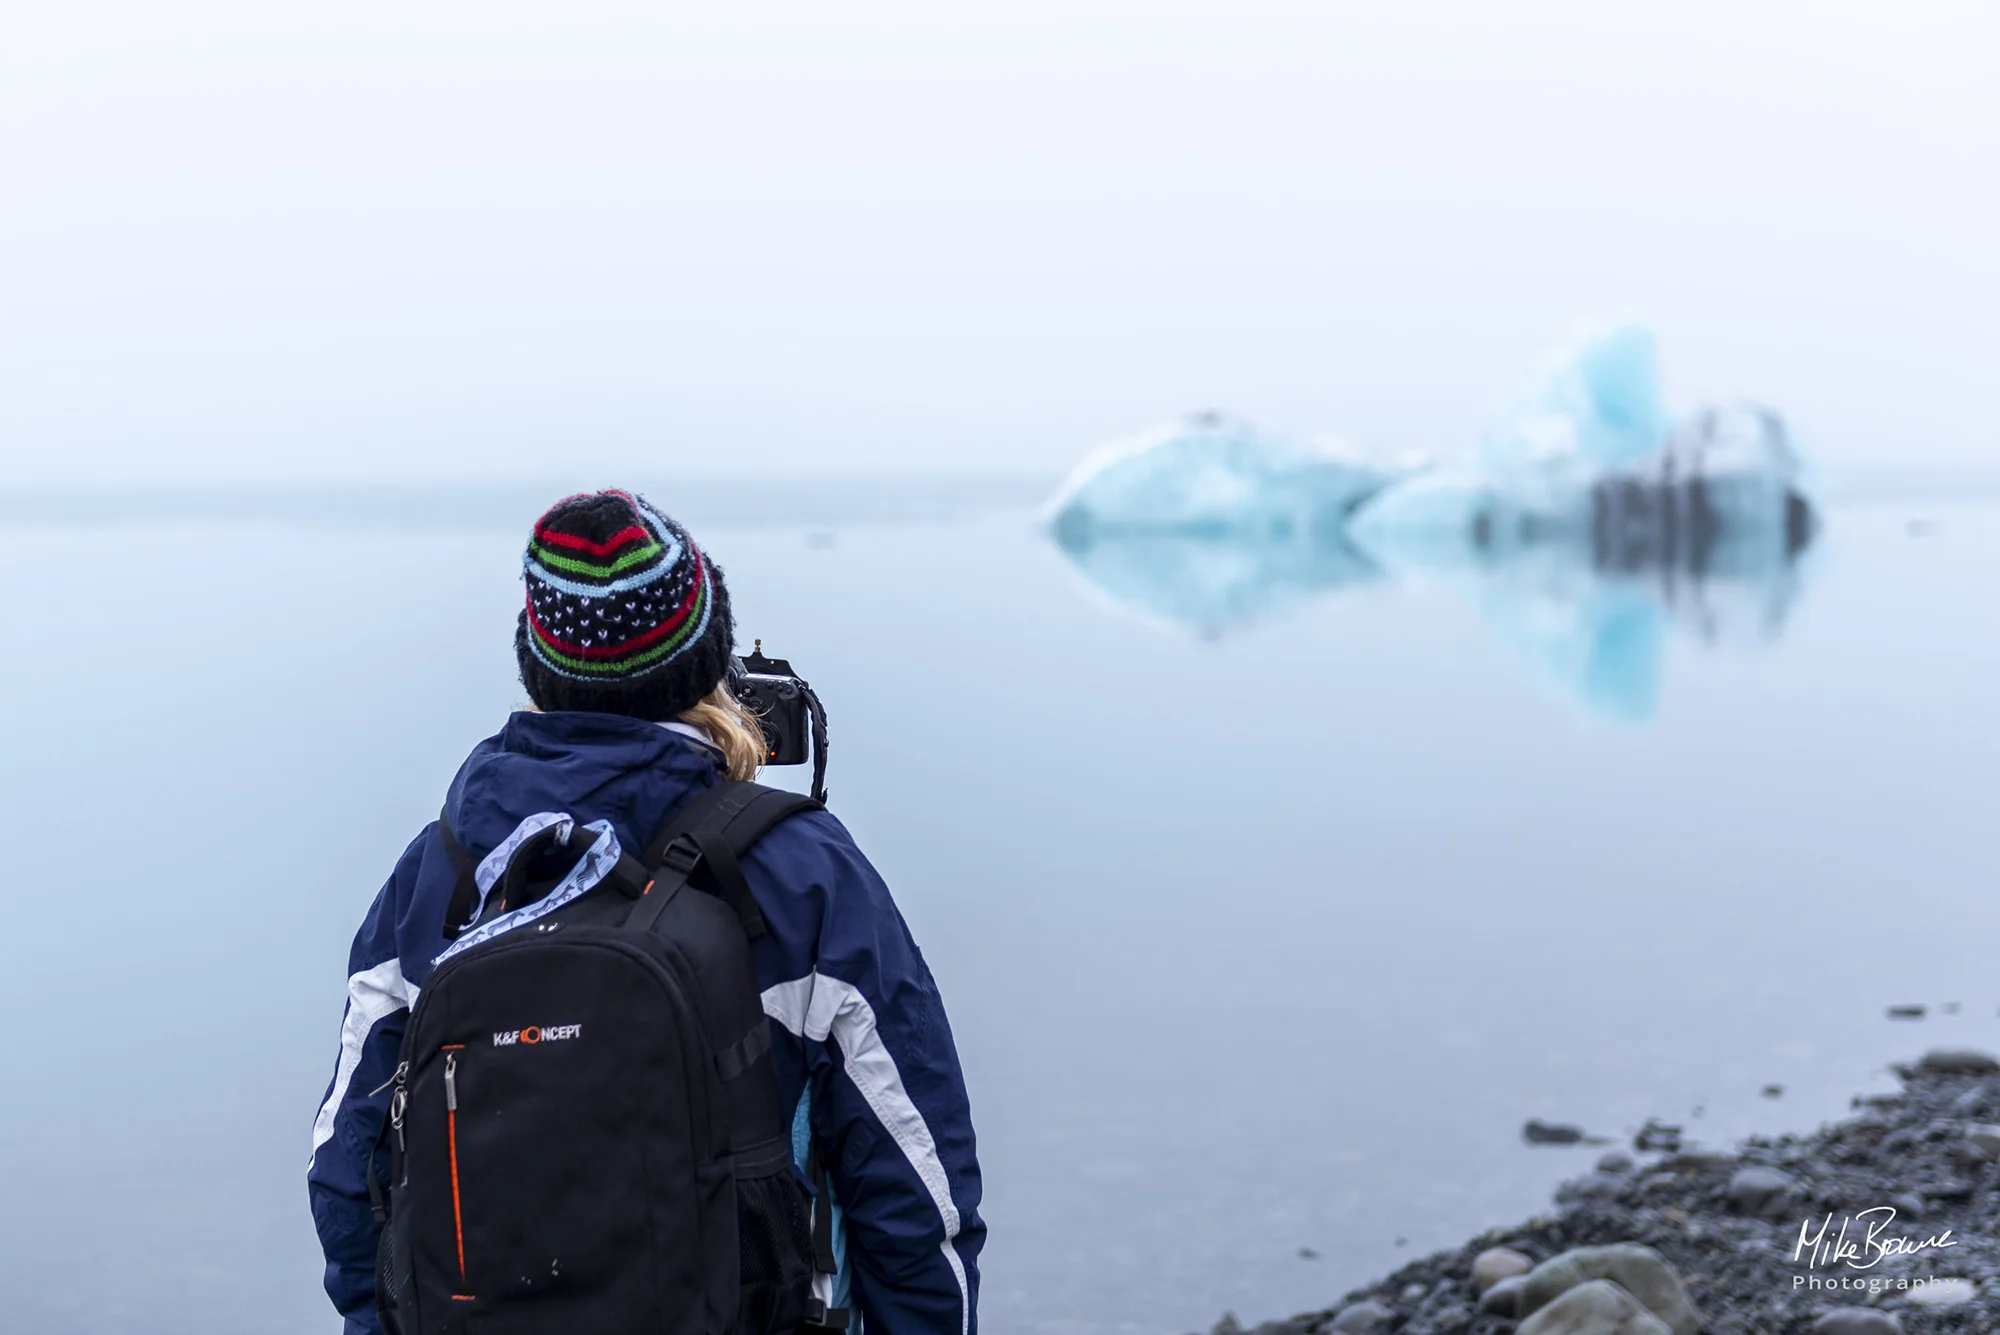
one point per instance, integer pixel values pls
(1783, 1235)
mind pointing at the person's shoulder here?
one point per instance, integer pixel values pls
(812, 836)
(812, 848)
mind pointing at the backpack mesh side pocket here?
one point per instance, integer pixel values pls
(775, 1241)
(392, 1282)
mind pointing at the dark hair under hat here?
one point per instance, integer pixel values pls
(624, 614)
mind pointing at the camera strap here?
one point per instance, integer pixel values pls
(817, 712)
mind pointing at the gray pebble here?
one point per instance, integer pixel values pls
(1657, 1135)
(1538, 1132)
(1759, 1191)
(1414, 1292)
(1504, 1298)
(1598, 1307)
(1636, 1274)
(1857, 1321)
(1959, 1061)
(1596, 1186)
(1614, 1161)
(1869, 1126)
(1357, 1317)
(1967, 1156)
(1451, 1318)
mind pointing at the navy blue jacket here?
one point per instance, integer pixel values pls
(863, 1052)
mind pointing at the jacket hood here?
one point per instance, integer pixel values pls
(592, 766)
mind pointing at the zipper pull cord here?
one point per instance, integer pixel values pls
(451, 1136)
(402, 1069)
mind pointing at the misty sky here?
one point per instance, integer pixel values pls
(508, 240)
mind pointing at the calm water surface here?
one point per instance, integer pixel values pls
(1253, 942)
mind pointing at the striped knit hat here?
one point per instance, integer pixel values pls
(624, 614)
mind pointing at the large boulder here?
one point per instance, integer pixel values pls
(1597, 1307)
(1639, 1271)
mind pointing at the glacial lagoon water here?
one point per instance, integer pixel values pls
(1260, 944)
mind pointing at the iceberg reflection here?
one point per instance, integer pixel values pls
(1587, 523)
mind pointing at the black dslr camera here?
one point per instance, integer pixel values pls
(793, 720)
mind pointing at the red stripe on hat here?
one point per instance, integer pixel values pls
(576, 544)
(665, 628)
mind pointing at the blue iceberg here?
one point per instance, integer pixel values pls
(1588, 468)
(1589, 512)
(1588, 521)
(1595, 399)
(1211, 521)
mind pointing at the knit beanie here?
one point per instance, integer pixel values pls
(624, 614)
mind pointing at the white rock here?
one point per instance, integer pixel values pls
(1498, 1263)
(1943, 1293)
(1985, 1139)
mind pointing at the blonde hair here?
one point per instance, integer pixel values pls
(734, 730)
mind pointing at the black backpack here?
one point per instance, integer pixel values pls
(585, 1133)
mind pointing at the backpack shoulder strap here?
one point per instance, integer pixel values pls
(711, 832)
(465, 891)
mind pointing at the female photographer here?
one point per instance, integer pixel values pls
(624, 645)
